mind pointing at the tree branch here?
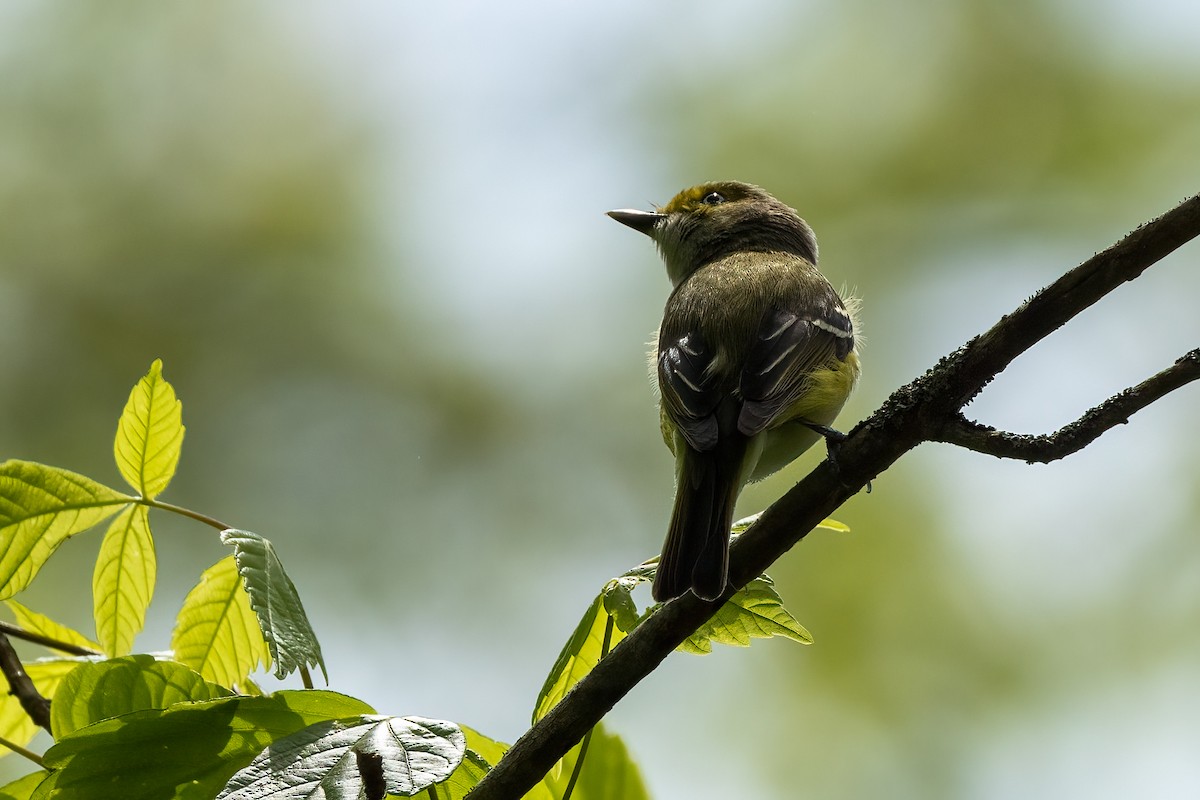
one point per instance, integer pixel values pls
(21, 686)
(920, 411)
(1079, 434)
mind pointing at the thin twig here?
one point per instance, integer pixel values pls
(1072, 438)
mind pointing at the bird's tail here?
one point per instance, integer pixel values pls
(696, 553)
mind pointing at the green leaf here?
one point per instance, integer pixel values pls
(106, 689)
(466, 776)
(40, 624)
(579, 655)
(481, 755)
(831, 524)
(743, 524)
(755, 612)
(187, 751)
(608, 771)
(150, 434)
(216, 632)
(22, 788)
(40, 508)
(123, 581)
(46, 674)
(321, 760)
(619, 603)
(273, 597)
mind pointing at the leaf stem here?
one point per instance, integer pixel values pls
(187, 512)
(587, 737)
(8, 629)
(306, 676)
(21, 751)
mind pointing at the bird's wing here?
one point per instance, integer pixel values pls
(689, 391)
(788, 347)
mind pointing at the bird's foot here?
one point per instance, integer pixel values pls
(833, 444)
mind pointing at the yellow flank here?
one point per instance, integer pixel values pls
(828, 389)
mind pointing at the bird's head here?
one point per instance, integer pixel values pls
(713, 220)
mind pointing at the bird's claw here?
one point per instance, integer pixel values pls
(833, 444)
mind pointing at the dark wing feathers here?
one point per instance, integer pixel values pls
(788, 348)
(689, 391)
(775, 371)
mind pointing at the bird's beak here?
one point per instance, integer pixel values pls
(642, 221)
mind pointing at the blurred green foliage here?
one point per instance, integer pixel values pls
(202, 183)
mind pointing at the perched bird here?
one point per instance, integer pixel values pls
(755, 357)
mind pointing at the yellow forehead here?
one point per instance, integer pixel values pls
(693, 198)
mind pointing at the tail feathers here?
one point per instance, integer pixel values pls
(696, 553)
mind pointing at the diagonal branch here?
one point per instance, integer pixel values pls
(913, 414)
(20, 685)
(1079, 434)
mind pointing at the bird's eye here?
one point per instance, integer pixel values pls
(713, 199)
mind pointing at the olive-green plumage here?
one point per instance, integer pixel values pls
(755, 348)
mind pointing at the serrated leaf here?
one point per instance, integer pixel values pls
(285, 626)
(755, 612)
(150, 434)
(40, 508)
(106, 689)
(23, 788)
(46, 674)
(187, 751)
(123, 581)
(42, 625)
(579, 655)
(216, 632)
(320, 761)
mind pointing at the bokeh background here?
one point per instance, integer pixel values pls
(368, 241)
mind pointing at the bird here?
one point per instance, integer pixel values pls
(755, 357)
